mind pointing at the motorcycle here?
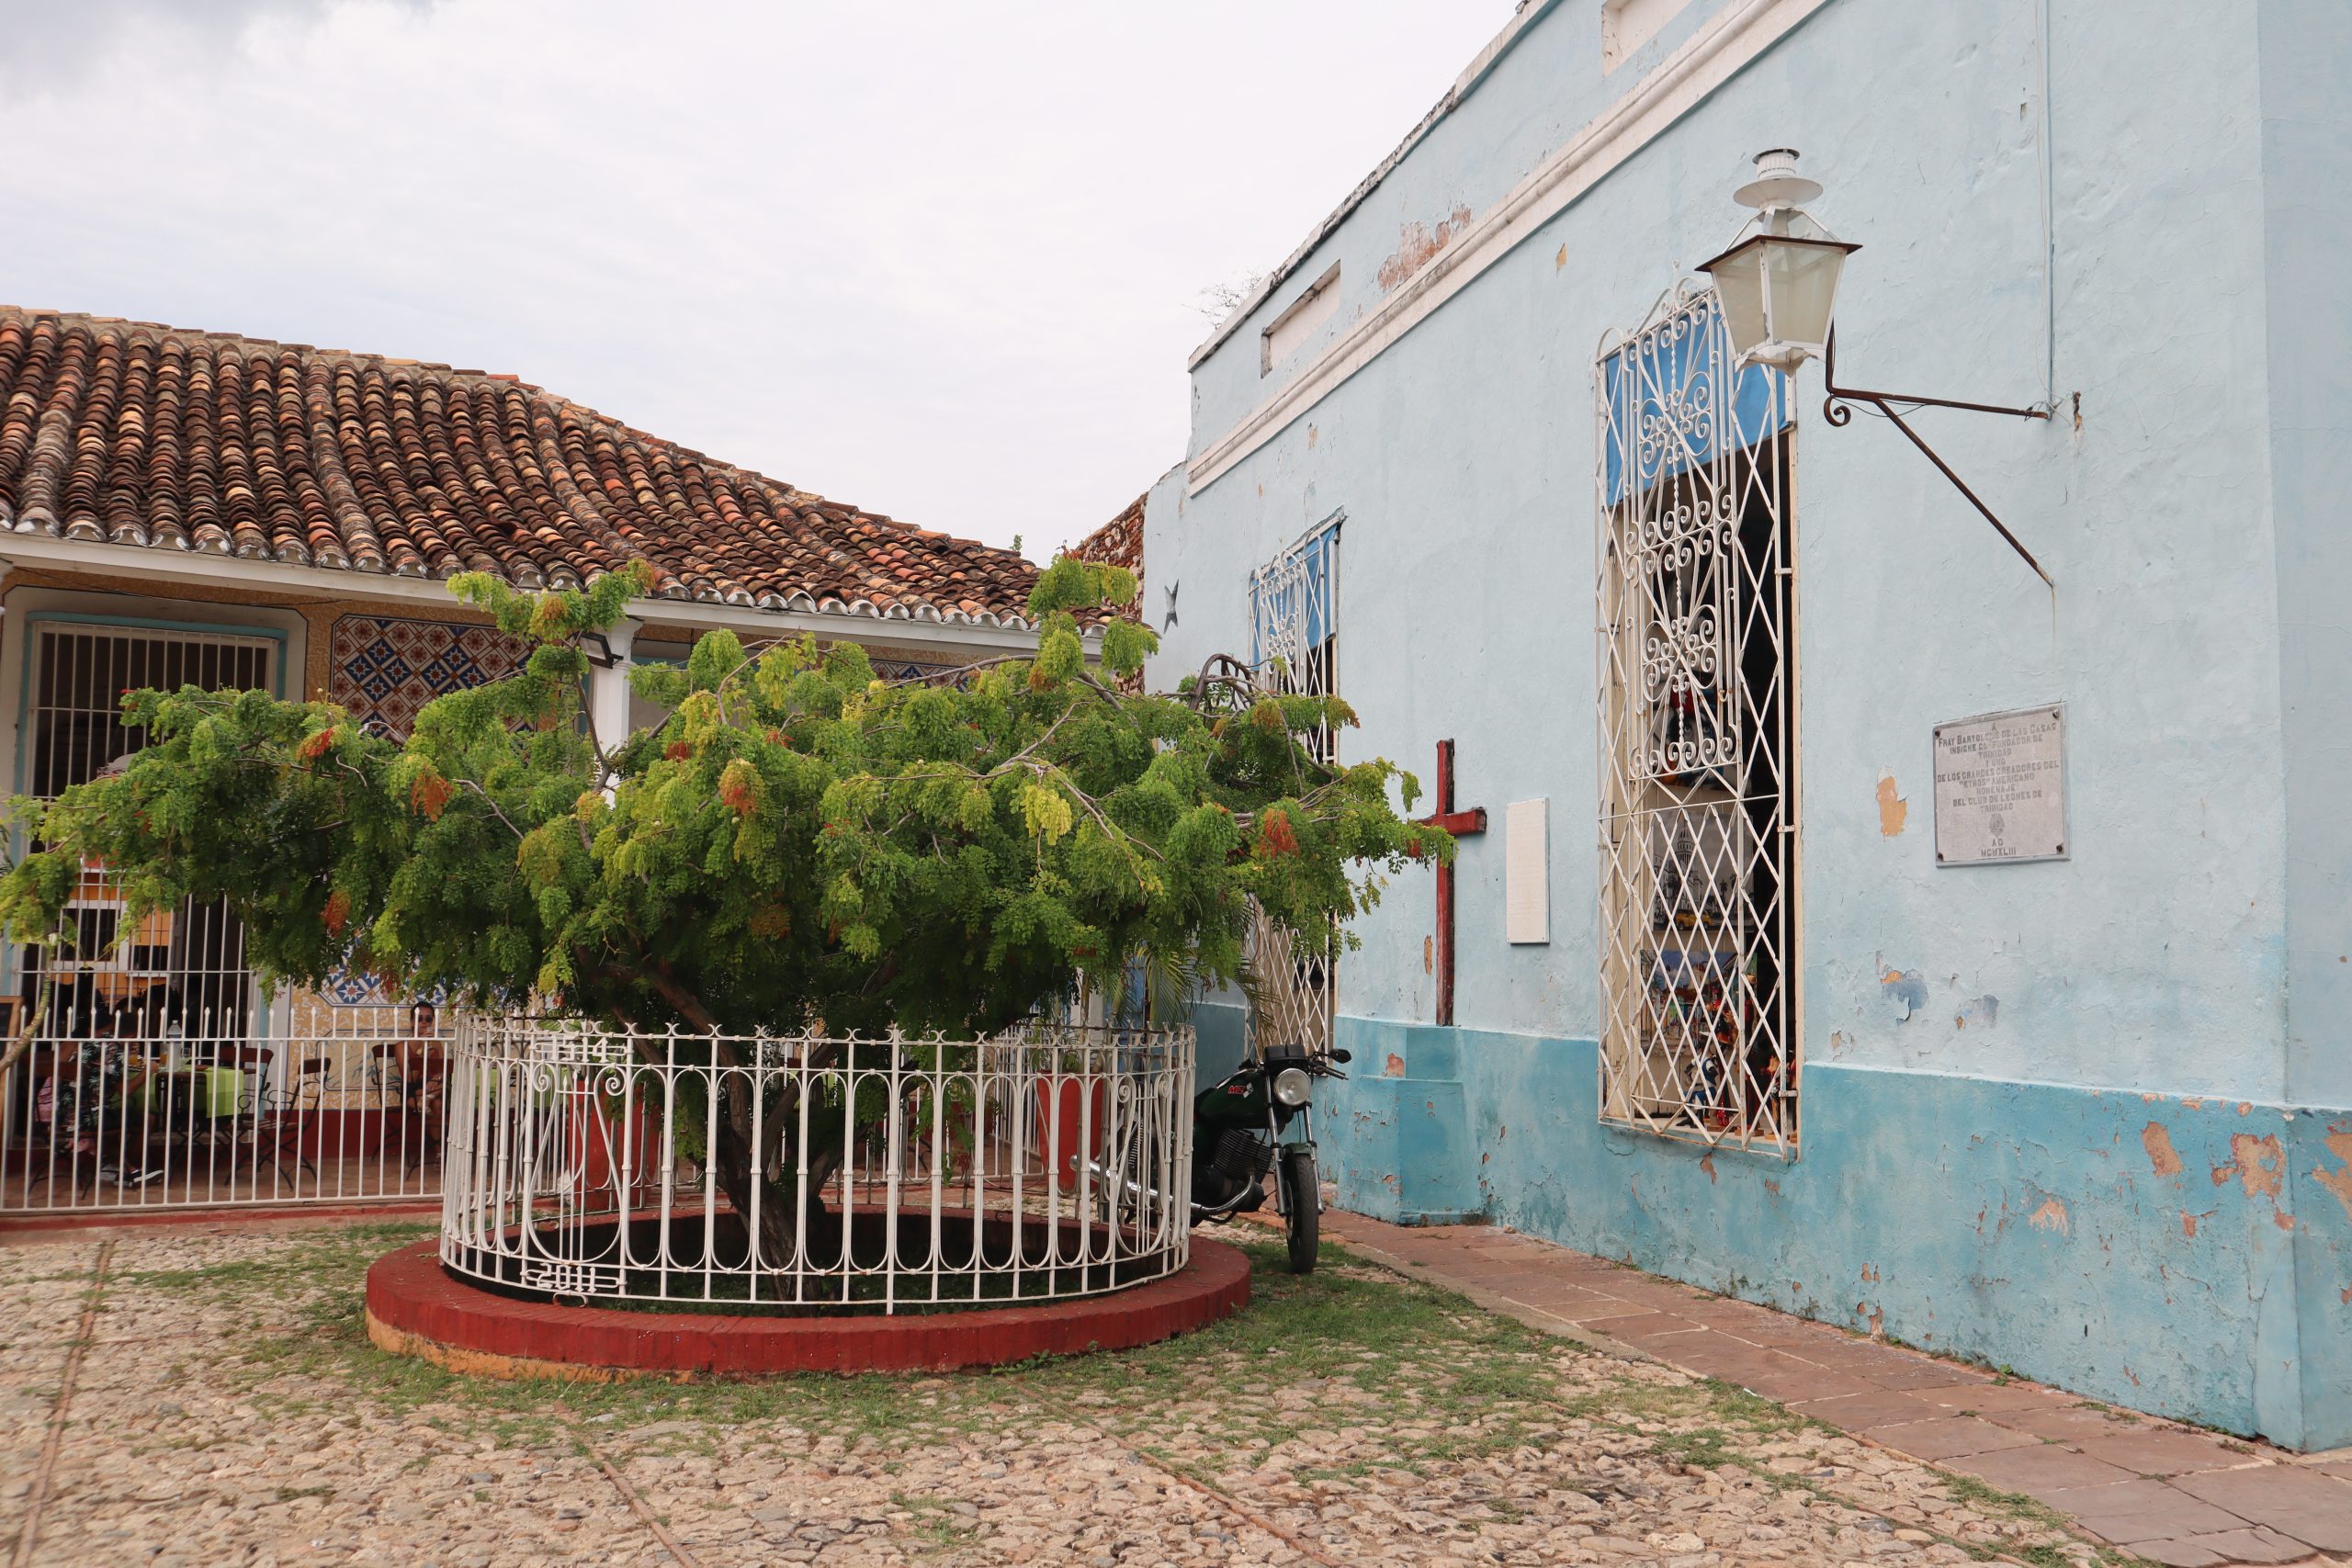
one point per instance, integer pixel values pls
(1259, 1121)
(1256, 1122)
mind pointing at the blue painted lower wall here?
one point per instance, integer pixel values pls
(2183, 1256)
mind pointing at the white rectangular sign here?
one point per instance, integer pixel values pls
(1527, 877)
(2001, 788)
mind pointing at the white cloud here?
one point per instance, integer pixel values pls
(936, 258)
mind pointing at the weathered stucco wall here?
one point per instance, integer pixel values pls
(2178, 513)
(2307, 226)
(2146, 1249)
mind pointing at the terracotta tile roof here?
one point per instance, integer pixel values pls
(153, 438)
(1118, 542)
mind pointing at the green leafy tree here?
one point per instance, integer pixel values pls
(798, 843)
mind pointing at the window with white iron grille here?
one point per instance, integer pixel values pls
(1697, 667)
(152, 1077)
(184, 970)
(1295, 648)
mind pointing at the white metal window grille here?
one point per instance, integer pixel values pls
(1295, 648)
(1294, 622)
(182, 968)
(153, 1079)
(1697, 670)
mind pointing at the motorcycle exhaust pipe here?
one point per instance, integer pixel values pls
(1138, 1191)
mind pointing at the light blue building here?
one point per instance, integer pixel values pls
(2023, 1039)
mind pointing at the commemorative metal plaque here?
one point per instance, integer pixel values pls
(2001, 788)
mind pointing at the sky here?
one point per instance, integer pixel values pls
(943, 259)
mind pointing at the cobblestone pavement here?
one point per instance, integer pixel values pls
(194, 1396)
(2172, 1494)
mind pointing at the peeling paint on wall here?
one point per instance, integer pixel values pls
(2051, 1216)
(2339, 1182)
(1904, 989)
(1982, 1011)
(2254, 1162)
(1417, 243)
(2162, 1158)
(1893, 809)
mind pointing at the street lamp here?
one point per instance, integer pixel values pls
(1778, 291)
(1779, 284)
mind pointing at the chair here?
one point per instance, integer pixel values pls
(386, 1071)
(251, 1064)
(285, 1112)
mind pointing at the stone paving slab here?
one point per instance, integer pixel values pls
(1867, 1412)
(2037, 1471)
(2172, 1494)
(2295, 1501)
(2128, 1512)
(1951, 1438)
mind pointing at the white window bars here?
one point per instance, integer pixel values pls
(1294, 622)
(342, 1105)
(895, 1173)
(155, 1078)
(1294, 648)
(1697, 737)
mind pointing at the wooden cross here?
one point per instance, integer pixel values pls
(1460, 824)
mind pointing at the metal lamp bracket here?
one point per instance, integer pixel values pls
(1836, 408)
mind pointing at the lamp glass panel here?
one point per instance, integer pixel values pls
(1804, 291)
(1739, 284)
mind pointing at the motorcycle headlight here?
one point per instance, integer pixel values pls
(1291, 1086)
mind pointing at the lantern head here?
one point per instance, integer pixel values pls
(1778, 283)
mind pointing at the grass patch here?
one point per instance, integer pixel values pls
(1361, 1345)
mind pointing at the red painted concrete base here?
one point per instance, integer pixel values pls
(415, 1308)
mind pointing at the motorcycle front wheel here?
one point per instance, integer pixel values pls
(1302, 1206)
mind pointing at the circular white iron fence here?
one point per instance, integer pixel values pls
(813, 1171)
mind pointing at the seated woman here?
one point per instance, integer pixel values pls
(421, 1067)
(91, 1103)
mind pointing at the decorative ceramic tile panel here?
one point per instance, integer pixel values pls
(383, 670)
(910, 670)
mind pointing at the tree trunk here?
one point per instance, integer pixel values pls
(736, 1166)
(739, 1161)
(741, 1165)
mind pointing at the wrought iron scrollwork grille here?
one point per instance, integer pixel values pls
(1295, 647)
(1697, 742)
